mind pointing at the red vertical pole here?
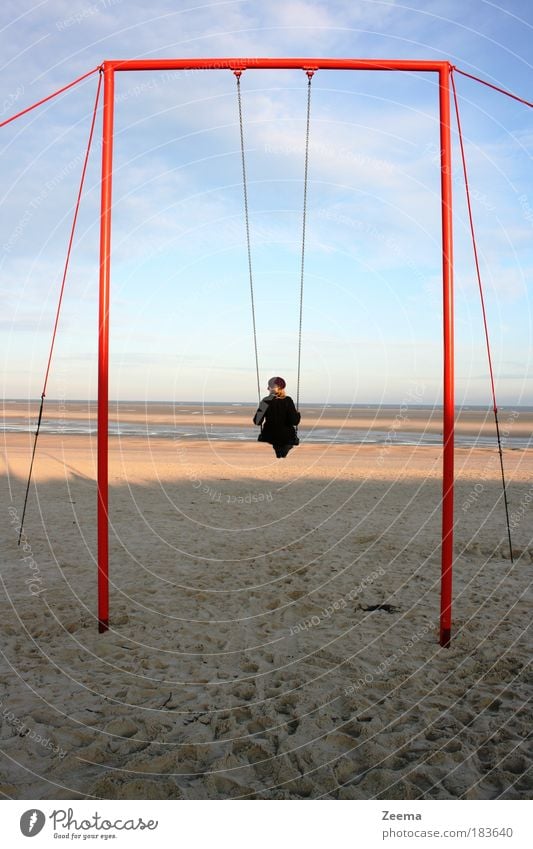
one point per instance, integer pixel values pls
(449, 399)
(103, 351)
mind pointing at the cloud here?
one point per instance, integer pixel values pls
(178, 232)
(299, 14)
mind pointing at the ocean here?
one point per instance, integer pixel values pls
(232, 421)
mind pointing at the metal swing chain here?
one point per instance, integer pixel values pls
(247, 224)
(304, 222)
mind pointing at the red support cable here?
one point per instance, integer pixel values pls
(62, 289)
(482, 298)
(103, 352)
(50, 96)
(73, 228)
(449, 394)
(474, 244)
(495, 87)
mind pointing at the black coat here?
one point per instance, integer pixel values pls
(280, 418)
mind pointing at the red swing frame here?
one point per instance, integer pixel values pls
(443, 69)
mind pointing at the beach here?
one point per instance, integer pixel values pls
(273, 624)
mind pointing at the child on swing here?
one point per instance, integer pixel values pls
(280, 417)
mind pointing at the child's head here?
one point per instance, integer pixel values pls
(277, 386)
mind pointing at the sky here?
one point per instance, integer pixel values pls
(181, 318)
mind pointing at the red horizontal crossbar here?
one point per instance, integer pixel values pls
(242, 63)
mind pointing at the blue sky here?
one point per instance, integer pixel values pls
(180, 309)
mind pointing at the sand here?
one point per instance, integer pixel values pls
(274, 625)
